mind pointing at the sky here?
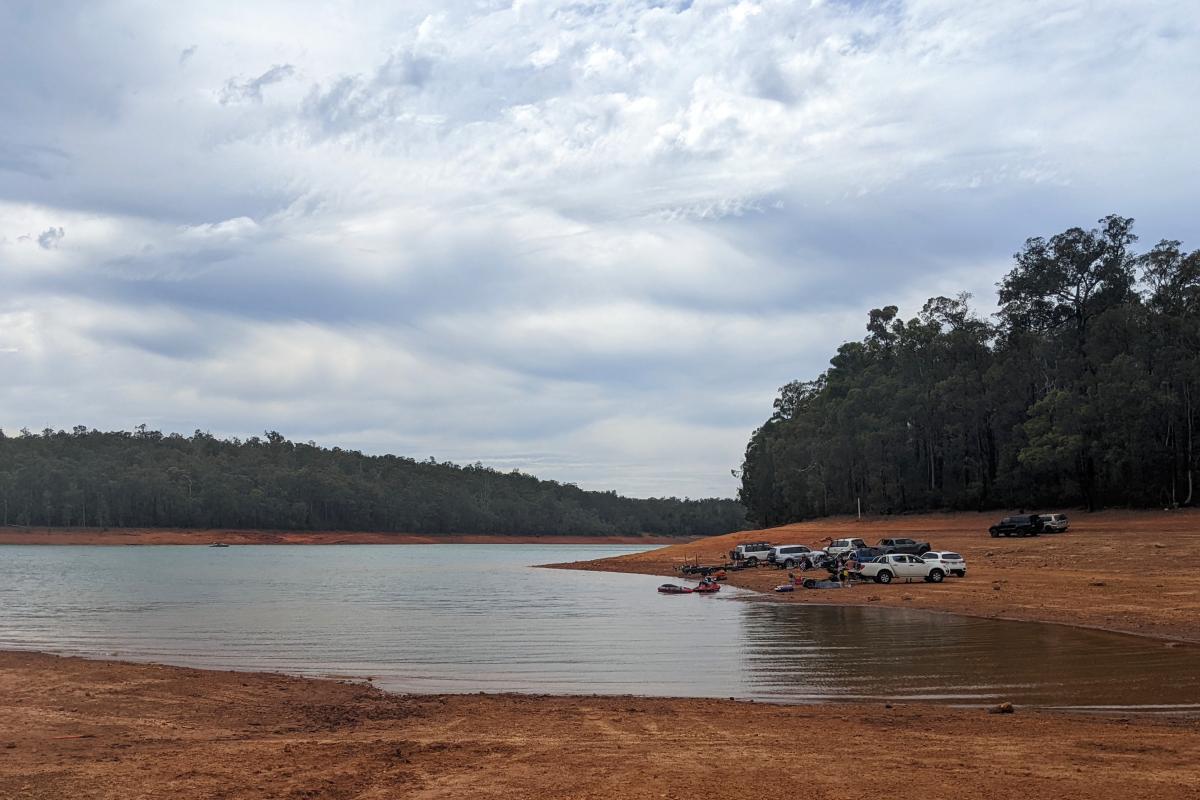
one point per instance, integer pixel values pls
(584, 240)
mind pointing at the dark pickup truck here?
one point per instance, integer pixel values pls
(1018, 525)
(910, 546)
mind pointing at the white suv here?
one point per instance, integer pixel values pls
(791, 555)
(1054, 523)
(839, 546)
(751, 552)
(953, 563)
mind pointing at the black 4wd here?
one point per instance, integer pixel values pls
(1019, 525)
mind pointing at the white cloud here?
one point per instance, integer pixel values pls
(589, 240)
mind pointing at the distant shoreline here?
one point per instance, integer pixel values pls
(201, 537)
(1120, 571)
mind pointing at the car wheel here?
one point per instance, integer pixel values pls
(883, 577)
(752, 561)
(936, 576)
(995, 534)
(789, 564)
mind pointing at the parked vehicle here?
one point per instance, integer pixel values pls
(864, 554)
(789, 556)
(953, 563)
(887, 568)
(1017, 525)
(751, 552)
(1054, 523)
(839, 546)
(910, 546)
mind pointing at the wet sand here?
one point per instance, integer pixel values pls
(155, 536)
(1130, 572)
(106, 730)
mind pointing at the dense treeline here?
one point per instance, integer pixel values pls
(147, 479)
(1083, 389)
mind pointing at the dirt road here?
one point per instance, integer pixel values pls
(1134, 572)
(71, 728)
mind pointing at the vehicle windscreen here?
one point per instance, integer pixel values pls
(952, 556)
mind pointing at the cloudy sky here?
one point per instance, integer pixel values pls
(586, 240)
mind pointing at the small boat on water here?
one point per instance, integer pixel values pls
(218, 544)
(672, 588)
(708, 588)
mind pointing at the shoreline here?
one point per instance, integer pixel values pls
(1097, 576)
(147, 537)
(108, 729)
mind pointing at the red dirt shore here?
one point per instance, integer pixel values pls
(102, 730)
(1125, 571)
(152, 536)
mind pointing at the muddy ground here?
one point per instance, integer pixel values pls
(1134, 572)
(72, 728)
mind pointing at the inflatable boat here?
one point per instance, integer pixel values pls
(670, 588)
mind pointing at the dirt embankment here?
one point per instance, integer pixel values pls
(151, 536)
(114, 731)
(1134, 572)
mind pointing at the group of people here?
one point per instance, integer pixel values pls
(840, 567)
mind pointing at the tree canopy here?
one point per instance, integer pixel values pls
(144, 478)
(1081, 390)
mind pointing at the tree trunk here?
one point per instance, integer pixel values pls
(1187, 407)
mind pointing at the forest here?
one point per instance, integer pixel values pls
(146, 479)
(1080, 391)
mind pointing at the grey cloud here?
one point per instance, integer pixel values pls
(505, 234)
(38, 161)
(50, 238)
(406, 69)
(251, 90)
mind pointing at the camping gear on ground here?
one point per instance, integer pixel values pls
(811, 583)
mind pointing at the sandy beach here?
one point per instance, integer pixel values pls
(1126, 571)
(74, 728)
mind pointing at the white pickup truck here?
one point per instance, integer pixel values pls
(885, 569)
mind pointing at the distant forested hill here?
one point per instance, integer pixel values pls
(1084, 389)
(147, 479)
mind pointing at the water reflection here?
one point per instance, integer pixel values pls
(812, 653)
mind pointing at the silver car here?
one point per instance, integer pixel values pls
(1054, 523)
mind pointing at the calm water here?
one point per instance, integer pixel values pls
(478, 618)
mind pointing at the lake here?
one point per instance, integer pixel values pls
(467, 618)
